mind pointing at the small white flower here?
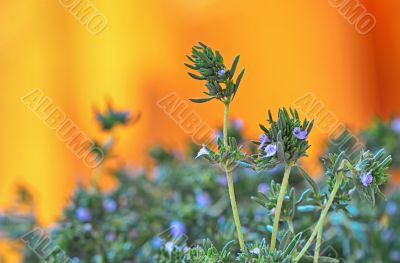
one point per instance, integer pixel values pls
(255, 251)
(272, 211)
(203, 151)
(169, 247)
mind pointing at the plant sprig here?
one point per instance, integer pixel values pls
(211, 68)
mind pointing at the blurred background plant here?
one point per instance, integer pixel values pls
(182, 199)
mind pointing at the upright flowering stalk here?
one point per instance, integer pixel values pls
(283, 143)
(220, 86)
(364, 175)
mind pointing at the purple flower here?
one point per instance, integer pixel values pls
(177, 228)
(263, 140)
(263, 188)
(83, 214)
(221, 180)
(169, 247)
(366, 179)
(110, 205)
(203, 199)
(271, 150)
(110, 236)
(394, 255)
(203, 151)
(391, 208)
(255, 251)
(156, 242)
(396, 125)
(221, 72)
(87, 227)
(387, 235)
(216, 135)
(299, 134)
(238, 123)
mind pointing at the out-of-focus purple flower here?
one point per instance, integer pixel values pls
(263, 188)
(396, 125)
(83, 214)
(255, 251)
(203, 199)
(391, 208)
(156, 242)
(394, 255)
(216, 134)
(87, 227)
(263, 140)
(299, 134)
(110, 205)
(366, 179)
(237, 123)
(221, 220)
(387, 234)
(222, 180)
(203, 151)
(271, 150)
(169, 247)
(110, 237)
(177, 228)
(221, 72)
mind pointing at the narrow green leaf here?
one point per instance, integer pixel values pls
(245, 164)
(292, 245)
(196, 77)
(310, 126)
(309, 180)
(327, 260)
(228, 245)
(285, 240)
(202, 44)
(234, 65)
(302, 196)
(191, 59)
(308, 208)
(191, 66)
(338, 162)
(262, 127)
(238, 80)
(202, 100)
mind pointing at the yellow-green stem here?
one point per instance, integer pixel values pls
(318, 245)
(278, 207)
(234, 210)
(231, 187)
(226, 120)
(322, 217)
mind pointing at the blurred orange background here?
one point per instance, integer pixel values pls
(289, 48)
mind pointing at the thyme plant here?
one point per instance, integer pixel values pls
(141, 219)
(284, 141)
(220, 86)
